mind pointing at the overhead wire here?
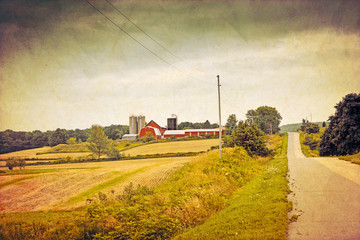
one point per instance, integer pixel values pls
(140, 43)
(140, 29)
(149, 36)
(129, 35)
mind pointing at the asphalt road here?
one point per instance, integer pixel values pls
(325, 196)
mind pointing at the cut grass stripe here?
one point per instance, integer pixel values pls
(28, 171)
(112, 182)
(7, 183)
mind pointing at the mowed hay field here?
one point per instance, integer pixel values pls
(32, 154)
(173, 147)
(65, 186)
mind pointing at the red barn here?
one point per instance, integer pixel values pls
(160, 132)
(154, 129)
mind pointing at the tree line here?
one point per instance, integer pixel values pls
(197, 125)
(11, 141)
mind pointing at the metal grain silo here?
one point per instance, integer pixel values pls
(172, 122)
(133, 125)
(141, 123)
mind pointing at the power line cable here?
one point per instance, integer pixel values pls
(149, 36)
(128, 34)
(141, 44)
(140, 29)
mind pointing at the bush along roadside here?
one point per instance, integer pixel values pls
(256, 211)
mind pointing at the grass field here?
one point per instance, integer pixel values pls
(30, 153)
(42, 188)
(75, 151)
(173, 147)
(148, 199)
(39, 154)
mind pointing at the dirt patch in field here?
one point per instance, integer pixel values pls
(51, 190)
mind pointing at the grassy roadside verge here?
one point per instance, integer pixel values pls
(256, 211)
(351, 158)
(315, 153)
(305, 148)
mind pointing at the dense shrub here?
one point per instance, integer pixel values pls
(309, 127)
(249, 137)
(309, 141)
(343, 133)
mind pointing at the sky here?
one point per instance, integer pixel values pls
(64, 64)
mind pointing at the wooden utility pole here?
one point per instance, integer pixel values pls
(220, 127)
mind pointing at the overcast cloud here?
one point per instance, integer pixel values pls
(64, 65)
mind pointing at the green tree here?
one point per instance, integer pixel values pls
(231, 124)
(15, 162)
(112, 151)
(10, 163)
(185, 125)
(71, 141)
(207, 124)
(266, 118)
(116, 131)
(342, 136)
(249, 137)
(58, 137)
(309, 127)
(20, 163)
(148, 137)
(98, 142)
(81, 135)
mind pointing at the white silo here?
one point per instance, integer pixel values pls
(133, 125)
(141, 122)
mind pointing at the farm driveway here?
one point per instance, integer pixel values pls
(325, 195)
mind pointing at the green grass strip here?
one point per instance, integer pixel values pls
(256, 211)
(28, 171)
(352, 158)
(7, 183)
(305, 149)
(112, 182)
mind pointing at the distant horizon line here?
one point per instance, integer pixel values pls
(124, 125)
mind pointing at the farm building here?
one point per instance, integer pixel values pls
(135, 124)
(154, 128)
(160, 132)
